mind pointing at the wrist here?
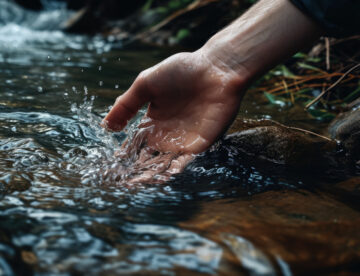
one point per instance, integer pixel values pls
(233, 71)
(267, 34)
(222, 55)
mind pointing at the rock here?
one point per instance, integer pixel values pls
(83, 21)
(294, 147)
(95, 16)
(346, 128)
(307, 231)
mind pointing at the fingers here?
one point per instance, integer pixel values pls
(161, 168)
(127, 105)
(178, 164)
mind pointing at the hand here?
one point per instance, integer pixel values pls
(193, 97)
(191, 103)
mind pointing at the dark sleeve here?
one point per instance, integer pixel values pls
(339, 18)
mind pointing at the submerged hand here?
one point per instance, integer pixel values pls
(191, 103)
(194, 96)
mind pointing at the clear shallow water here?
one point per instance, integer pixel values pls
(58, 216)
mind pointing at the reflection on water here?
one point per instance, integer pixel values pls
(59, 216)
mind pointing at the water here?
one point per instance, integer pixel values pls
(60, 214)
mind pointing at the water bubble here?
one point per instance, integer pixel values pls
(116, 86)
(40, 89)
(69, 58)
(101, 83)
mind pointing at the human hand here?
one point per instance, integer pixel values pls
(191, 100)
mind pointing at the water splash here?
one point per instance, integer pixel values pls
(112, 159)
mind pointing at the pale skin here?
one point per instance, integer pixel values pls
(194, 97)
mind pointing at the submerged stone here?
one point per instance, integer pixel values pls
(346, 129)
(272, 141)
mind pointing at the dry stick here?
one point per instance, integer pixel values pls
(286, 91)
(305, 79)
(327, 46)
(310, 132)
(313, 85)
(332, 86)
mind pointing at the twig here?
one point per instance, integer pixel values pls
(287, 90)
(310, 132)
(327, 46)
(332, 86)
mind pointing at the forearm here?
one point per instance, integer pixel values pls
(267, 34)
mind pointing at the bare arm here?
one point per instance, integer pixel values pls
(195, 96)
(267, 34)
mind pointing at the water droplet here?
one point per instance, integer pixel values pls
(101, 83)
(100, 68)
(48, 57)
(40, 89)
(119, 59)
(68, 58)
(116, 86)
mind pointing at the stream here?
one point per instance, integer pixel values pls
(223, 215)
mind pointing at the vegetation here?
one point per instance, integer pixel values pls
(326, 81)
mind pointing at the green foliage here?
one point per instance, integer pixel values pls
(286, 71)
(303, 57)
(321, 114)
(308, 66)
(147, 5)
(274, 99)
(181, 34)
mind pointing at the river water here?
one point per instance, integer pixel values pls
(58, 215)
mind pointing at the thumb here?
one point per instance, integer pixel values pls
(126, 106)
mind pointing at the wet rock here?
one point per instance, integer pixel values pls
(29, 257)
(294, 147)
(17, 182)
(295, 231)
(346, 129)
(188, 24)
(83, 21)
(95, 16)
